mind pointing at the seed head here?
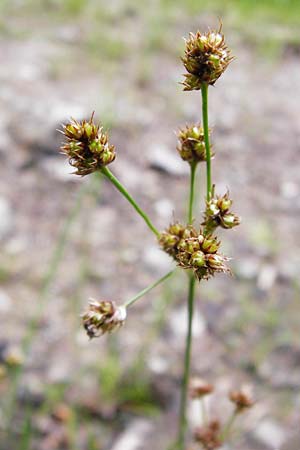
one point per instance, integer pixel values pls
(217, 213)
(199, 388)
(103, 317)
(199, 252)
(209, 435)
(242, 400)
(191, 144)
(87, 146)
(206, 58)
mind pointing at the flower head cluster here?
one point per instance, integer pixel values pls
(103, 317)
(194, 250)
(209, 435)
(206, 58)
(191, 144)
(217, 213)
(87, 146)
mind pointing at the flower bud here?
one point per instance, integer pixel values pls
(198, 259)
(230, 220)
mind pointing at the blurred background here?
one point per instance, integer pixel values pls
(65, 239)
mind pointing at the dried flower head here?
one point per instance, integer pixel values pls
(217, 213)
(199, 388)
(209, 435)
(87, 146)
(199, 252)
(191, 144)
(242, 400)
(206, 58)
(169, 239)
(103, 317)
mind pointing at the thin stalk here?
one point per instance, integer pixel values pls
(192, 191)
(187, 364)
(147, 289)
(228, 427)
(203, 410)
(204, 92)
(126, 194)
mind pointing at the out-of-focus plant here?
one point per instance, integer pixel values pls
(193, 247)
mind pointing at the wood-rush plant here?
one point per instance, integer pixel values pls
(193, 247)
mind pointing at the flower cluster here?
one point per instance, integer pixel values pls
(194, 250)
(87, 146)
(191, 144)
(217, 213)
(206, 58)
(103, 317)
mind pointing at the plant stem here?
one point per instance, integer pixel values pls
(126, 194)
(147, 289)
(204, 92)
(228, 427)
(187, 363)
(192, 191)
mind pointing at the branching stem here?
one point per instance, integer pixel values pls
(126, 194)
(147, 289)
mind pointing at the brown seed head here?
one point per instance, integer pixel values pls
(103, 317)
(242, 400)
(209, 435)
(87, 146)
(199, 388)
(217, 213)
(206, 58)
(191, 144)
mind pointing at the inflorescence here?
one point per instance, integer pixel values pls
(194, 250)
(87, 146)
(206, 58)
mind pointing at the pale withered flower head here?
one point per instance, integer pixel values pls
(103, 317)
(87, 146)
(209, 435)
(199, 388)
(200, 253)
(206, 58)
(191, 144)
(217, 213)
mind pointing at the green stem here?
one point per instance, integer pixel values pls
(192, 191)
(126, 194)
(147, 289)
(204, 92)
(187, 364)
